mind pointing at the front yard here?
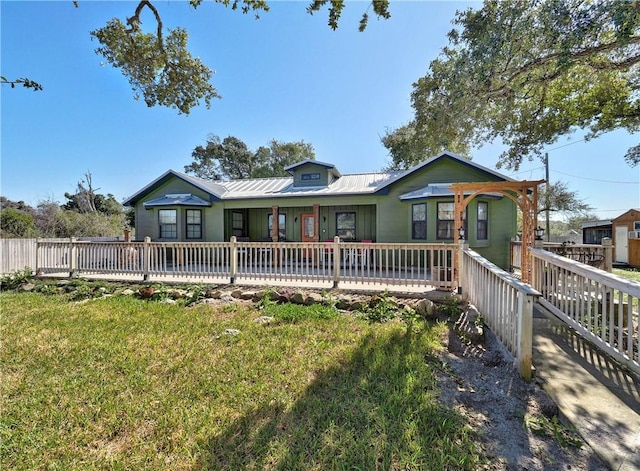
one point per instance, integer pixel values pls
(124, 383)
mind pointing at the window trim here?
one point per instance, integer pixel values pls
(338, 213)
(172, 225)
(449, 222)
(238, 231)
(189, 225)
(481, 222)
(415, 222)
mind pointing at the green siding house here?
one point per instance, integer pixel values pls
(318, 203)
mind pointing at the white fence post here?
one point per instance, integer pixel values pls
(146, 258)
(336, 261)
(234, 259)
(525, 334)
(73, 254)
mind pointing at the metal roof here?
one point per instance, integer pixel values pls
(181, 199)
(435, 190)
(282, 187)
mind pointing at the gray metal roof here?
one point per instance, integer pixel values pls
(177, 199)
(435, 190)
(282, 187)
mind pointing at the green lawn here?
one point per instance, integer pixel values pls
(631, 273)
(123, 383)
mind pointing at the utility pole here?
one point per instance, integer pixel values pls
(546, 195)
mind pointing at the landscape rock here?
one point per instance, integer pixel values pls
(297, 298)
(469, 325)
(424, 307)
(265, 320)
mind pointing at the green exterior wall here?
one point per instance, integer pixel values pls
(380, 217)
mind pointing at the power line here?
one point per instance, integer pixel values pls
(596, 180)
(566, 145)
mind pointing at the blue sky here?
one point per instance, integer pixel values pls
(286, 76)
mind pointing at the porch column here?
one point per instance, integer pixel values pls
(275, 230)
(316, 222)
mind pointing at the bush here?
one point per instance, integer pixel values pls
(15, 279)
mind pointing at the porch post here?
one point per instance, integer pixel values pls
(275, 229)
(316, 222)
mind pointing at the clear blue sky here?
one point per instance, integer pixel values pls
(286, 76)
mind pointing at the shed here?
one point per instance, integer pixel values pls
(626, 238)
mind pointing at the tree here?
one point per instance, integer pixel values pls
(556, 197)
(407, 148)
(159, 66)
(528, 72)
(16, 223)
(279, 155)
(232, 159)
(87, 200)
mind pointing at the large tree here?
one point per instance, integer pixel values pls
(230, 158)
(528, 72)
(160, 68)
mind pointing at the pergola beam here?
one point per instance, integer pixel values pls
(523, 193)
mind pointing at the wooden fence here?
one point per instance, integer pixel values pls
(324, 263)
(18, 254)
(600, 306)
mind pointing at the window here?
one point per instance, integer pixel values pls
(419, 221)
(282, 221)
(446, 221)
(346, 226)
(194, 224)
(483, 221)
(237, 224)
(310, 176)
(168, 223)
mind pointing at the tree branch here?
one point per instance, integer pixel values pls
(134, 22)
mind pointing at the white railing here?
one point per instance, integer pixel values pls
(600, 306)
(505, 303)
(599, 256)
(331, 263)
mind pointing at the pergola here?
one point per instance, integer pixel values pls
(524, 194)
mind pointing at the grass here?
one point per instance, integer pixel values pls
(631, 273)
(122, 383)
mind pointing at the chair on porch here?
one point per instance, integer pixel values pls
(361, 255)
(327, 252)
(244, 253)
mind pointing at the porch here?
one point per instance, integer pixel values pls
(316, 264)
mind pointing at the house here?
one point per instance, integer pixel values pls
(626, 238)
(317, 202)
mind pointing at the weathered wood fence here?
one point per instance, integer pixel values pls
(600, 306)
(18, 254)
(327, 263)
(599, 256)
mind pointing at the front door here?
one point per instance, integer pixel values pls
(308, 232)
(621, 244)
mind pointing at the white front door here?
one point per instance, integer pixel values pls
(622, 244)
